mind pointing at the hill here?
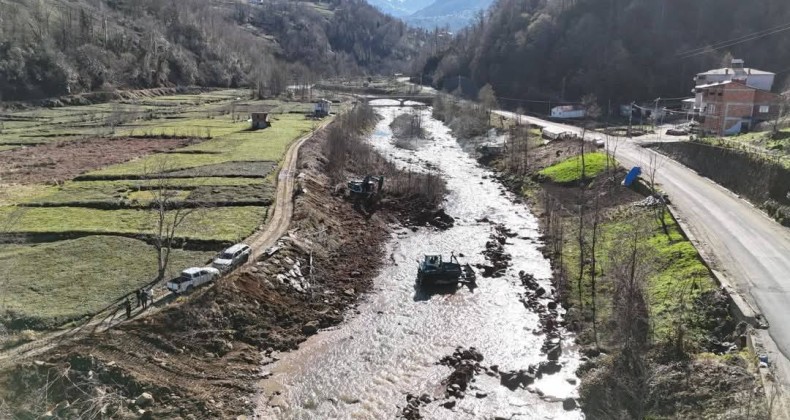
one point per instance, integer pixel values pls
(399, 8)
(619, 50)
(451, 14)
(56, 47)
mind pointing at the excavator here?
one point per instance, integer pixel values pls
(366, 188)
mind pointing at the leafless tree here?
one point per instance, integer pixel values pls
(517, 149)
(654, 165)
(593, 274)
(629, 268)
(169, 212)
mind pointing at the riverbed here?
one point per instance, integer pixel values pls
(391, 342)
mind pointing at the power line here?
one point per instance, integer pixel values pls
(734, 42)
(731, 40)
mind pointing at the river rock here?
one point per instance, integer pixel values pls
(549, 368)
(554, 352)
(509, 380)
(569, 404)
(310, 328)
(144, 400)
(449, 404)
(481, 394)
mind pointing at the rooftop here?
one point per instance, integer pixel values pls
(731, 70)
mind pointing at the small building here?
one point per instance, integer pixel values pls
(567, 111)
(733, 107)
(260, 120)
(322, 108)
(555, 133)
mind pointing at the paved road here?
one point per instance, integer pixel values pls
(749, 248)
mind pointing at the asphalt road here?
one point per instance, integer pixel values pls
(739, 240)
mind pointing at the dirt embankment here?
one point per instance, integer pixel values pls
(764, 182)
(202, 358)
(64, 160)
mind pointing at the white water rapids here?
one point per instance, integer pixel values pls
(389, 345)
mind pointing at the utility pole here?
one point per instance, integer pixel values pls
(655, 114)
(630, 118)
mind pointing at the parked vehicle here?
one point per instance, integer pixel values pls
(599, 141)
(232, 257)
(191, 278)
(432, 271)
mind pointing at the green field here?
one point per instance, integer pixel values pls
(676, 274)
(230, 173)
(235, 145)
(48, 284)
(217, 223)
(570, 170)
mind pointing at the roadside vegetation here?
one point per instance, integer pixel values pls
(572, 169)
(79, 179)
(654, 329)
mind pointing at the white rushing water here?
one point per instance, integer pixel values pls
(363, 368)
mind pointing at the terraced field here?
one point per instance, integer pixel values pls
(77, 183)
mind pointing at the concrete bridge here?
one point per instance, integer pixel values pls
(423, 100)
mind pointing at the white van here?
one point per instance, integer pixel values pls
(232, 257)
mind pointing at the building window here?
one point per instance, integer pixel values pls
(764, 109)
(711, 108)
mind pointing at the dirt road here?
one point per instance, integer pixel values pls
(282, 210)
(276, 225)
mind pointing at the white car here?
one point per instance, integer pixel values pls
(599, 141)
(191, 278)
(232, 257)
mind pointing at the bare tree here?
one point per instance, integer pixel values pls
(654, 165)
(170, 213)
(593, 274)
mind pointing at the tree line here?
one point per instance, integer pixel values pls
(51, 48)
(618, 50)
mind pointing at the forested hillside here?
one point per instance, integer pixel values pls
(56, 47)
(619, 50)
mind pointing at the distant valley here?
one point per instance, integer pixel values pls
(451, 14)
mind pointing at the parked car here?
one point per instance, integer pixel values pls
(191, 278)
(599, 141)
(232, 257)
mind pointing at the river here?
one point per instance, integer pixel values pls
(390, 343)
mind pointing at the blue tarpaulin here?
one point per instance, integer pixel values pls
(633, 174)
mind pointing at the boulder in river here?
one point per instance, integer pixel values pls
(310, 328)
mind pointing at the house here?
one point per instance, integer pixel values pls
(260, 120)
(322, 108)
(733, 107)
(567, 111)
(753, 78)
